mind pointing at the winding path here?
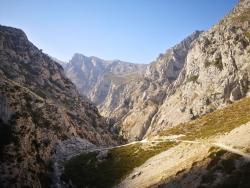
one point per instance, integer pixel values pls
(216, 144)
(232, 150)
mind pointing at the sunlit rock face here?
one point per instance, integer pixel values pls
(206, 71)
(93, 75)
(40, 108)
(215, 74)
(133, 104)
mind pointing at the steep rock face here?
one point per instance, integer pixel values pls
(39, 109)
(216, 71)
(93, 75)
(167, 66)
(206, 71)
(132, 104)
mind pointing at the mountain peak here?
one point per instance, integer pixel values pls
(12, 31)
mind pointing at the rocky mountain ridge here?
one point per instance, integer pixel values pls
(137, 102)
(45, 123)
(137, 93)
(41, 112)
(93, 75)
(206, 71)
(216, 71)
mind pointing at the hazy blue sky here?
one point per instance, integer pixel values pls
(130, 30)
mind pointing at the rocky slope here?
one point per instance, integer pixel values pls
(209, 152)
(41, 114)
(133, 105)
(62, 63)
(93, 76)
(216, 72)
(129, 94)
(204, 79)
(206, 71)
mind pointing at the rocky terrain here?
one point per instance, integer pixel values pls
(93, 76)
(189, 113)
(137, 103)
(186, 116)
(41, 114)
(211, 151)
(129, 94)
(206, 71)
(216, 72)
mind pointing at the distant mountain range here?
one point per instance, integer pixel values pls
(87, 73)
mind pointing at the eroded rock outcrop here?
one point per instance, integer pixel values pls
(206, 71)
(93, 76)
(40, 109)
(133, 105)
(216, 71)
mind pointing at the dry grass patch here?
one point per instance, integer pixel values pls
(217, 122)
(86, 171)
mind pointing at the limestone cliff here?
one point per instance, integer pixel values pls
(206, 71)
(93, 76)
(216, 72)
(132, 105)
(40, 109)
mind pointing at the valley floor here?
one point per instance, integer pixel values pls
(168, 164)
(206, 152)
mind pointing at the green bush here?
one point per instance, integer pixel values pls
(193, 78)
(218, 64)
(247, 34)
(207, 64)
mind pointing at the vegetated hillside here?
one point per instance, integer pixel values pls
(206, 71)
(40, 113)
(211, 151)
(93, 76)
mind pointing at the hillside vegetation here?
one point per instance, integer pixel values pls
(217, 122)
(89, 170)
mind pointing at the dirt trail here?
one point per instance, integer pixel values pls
(221, 146)
(232, 150)
(182, 156)
(216, 144)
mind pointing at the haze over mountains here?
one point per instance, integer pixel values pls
(87, 72)
(180, 121)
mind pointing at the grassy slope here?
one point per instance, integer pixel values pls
(217, 122)
(85, 170)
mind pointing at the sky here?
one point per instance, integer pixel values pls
(129, 30)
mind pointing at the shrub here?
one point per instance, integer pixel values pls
(245, 16)
(207, 64)
(247, 34)
(193, 78)
(218, 64)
